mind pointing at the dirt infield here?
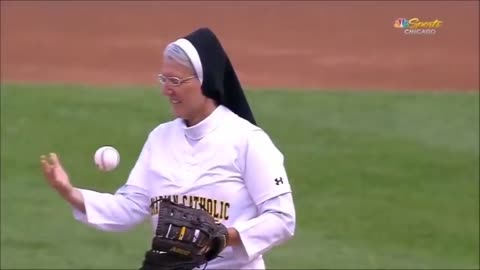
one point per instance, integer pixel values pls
(334, 45)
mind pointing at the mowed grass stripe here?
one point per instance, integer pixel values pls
(381, 179)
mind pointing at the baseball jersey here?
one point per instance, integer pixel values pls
(224, 163)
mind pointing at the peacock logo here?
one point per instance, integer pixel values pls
(401, 23)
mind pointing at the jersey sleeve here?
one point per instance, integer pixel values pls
(127, 207)
(274, 226)
(264, 172)
(121, 211)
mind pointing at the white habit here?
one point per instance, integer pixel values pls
(225, 163)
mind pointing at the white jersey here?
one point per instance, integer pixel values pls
(224, 163)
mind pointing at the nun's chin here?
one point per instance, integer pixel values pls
(177, 111)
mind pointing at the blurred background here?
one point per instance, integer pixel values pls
(286, 44)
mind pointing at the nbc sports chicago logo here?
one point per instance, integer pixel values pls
(415, 26)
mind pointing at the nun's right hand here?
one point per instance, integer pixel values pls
(55, 174)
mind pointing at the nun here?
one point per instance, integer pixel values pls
(212, 155)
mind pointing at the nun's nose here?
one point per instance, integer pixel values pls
(167, 91)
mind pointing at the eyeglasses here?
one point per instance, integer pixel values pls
(175, 81)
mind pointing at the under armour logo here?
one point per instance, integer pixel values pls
(278, 181)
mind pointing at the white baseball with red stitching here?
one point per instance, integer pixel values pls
(107, 158)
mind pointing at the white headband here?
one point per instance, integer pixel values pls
(193, 55)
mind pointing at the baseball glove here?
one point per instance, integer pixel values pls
(185, 238)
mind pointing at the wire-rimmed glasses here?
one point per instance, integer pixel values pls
(174, 81)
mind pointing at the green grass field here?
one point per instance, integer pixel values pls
(381, 179)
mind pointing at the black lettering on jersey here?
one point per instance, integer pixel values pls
(278, 181)
(195, 199)
(202, 204)
(215, 214)
(210, 206)
(217, 209)
(184, 199)
(222, 211)
(154, 207)
(225, 211)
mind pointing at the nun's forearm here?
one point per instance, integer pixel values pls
(75, 198)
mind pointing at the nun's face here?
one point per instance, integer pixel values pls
(184, 92)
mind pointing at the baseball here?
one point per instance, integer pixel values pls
(107, 158)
